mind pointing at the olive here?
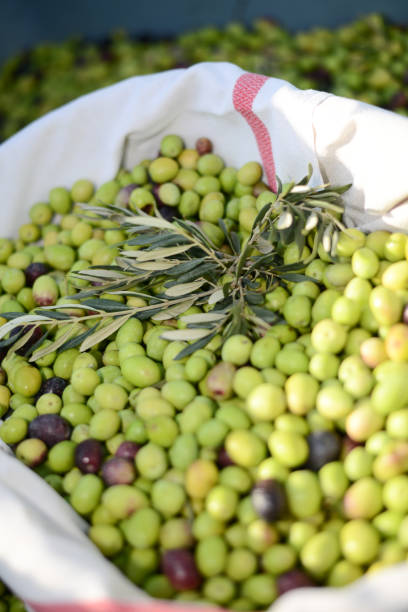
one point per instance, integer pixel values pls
(88, 456)
(55, 385)
(324, 446)
(180, 568)
(269, 499)
(50, 428)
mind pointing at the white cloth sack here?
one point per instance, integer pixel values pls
(44, 555)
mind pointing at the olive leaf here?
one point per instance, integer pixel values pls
(216, 297)
(103, 333)
(147, 221)
(184, 288)
(184, 334)
(173, 311)
(204, 317)
(157, 253)
(159, 265)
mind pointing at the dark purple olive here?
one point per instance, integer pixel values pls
(294, 579)
(324, 446)
(118, 471)
(168, 212)
(180, 568)
(223, 459)
(127, 450)
(89, 456)
(34, 270)
(203, 146)
(50, 428)
(55, 384)
(155, 192)
(122, 198)
(269, 500)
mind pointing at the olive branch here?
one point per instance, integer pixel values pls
(173, 266)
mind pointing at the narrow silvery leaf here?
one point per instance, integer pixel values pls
(61, 307)
(173, 311)
(103, 333)
(341, 189)
(311, 222)
(104, 304)
(287, 188)
(186, 266)
(185, 334)
(236, 243)
(254, 298)
(325, 204)
(13, 337)
(156, 265)
(266, 315)
(191, 348)
(225, 232)
(203, 317)
(101, 211)
(284, 221)
(134, 254)
(150, 222)
(326, 238)
(160, 253)
(183, 288)
(209, 325)
(335, 239)
(126, 264)
(300, 189)
(216, 296)
(54, 314)
(263, 246)
(199, 271)
(92, 274)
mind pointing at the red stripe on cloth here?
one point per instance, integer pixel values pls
(245, 91)
(114, 606)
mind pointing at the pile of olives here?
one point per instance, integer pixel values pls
(365, 59)
(250, 467)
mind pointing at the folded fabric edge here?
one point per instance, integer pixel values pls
(108, 605)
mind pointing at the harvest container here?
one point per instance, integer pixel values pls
(44, 555)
